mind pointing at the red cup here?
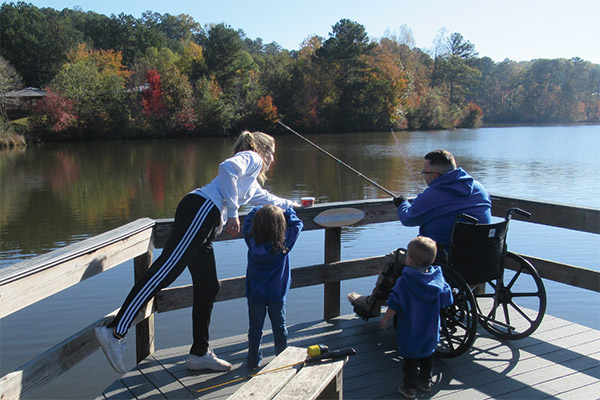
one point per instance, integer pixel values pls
(307, 201)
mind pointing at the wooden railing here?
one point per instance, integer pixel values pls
(30, 281)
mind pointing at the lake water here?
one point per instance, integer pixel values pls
(58, 194)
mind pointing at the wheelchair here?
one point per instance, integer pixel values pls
(508, 303)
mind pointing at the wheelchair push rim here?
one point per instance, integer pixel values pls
(458, 323)
(513, 305)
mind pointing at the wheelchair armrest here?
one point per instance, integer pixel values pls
(468, 218)
(519, 211)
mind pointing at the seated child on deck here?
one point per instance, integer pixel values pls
(270, 234)
(417, 298)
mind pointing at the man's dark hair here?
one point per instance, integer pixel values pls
(441, 158)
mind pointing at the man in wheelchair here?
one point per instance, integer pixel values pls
(451, 192)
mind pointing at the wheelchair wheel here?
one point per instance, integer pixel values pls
(516, 303)
(459, 321)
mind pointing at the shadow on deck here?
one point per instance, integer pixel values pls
(560, 360)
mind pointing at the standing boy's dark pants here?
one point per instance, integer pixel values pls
(412, 373)
(190, 244)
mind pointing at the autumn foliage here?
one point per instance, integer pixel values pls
(162, 76)
(57, 112)
(152, 98)
(267, 109)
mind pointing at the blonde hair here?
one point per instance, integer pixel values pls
(422, 250)
(260, 143)
(269, 225)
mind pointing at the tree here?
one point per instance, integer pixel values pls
(179, 116)
(215, 115)
(9, 77)
(345, 48)
(342, 59)
(221, 45)
(54, 115)
(175, 30)
(192, 62)
(457, 70)
(386, 84)
(35, 41)
(308, 89)
(94, 80)
(152, 98)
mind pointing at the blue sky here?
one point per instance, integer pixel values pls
(515, 29)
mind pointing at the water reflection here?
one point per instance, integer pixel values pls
(58, 193)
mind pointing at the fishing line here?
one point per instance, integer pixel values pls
(250, 376)
(316, 353)
(340, 182)
(337, 159)
(410, 171)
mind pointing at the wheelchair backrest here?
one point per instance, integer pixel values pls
(477, 251)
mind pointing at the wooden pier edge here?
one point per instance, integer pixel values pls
(37, 278)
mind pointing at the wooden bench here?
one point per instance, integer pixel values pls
(287, 381)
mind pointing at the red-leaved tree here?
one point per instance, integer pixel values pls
(56, 112)
(152, 99)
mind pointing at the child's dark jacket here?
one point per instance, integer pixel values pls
(268, 275)
(417, 297)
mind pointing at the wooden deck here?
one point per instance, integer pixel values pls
(560, 360)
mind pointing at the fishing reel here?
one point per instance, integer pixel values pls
(319, 352)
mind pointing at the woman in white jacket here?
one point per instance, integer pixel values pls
(199, 218)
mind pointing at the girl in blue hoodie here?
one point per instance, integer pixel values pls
(270, 234)
(417, 298)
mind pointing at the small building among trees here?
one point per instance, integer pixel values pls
(19, 103)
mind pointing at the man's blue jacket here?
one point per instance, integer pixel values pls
(452, 194)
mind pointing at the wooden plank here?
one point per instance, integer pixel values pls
(376, 211)
(116, 391)
(312, 381)
(331, 290)
(32, 280)
(563, 273)
(268, 384)
(58, 359)
(47, 366)
(490, 361)
(139, 386)
(383, 210)
(144, 331)
(180, 297)
(160, 377)
(490, 372)
(527, 380)
(585, 219)
(175, 298)
(559, 349)
(584, 392)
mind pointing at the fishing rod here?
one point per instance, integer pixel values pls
(412, 175)
(372, 182)
(316, 353)
(250, 376)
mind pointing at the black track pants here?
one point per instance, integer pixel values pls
(190, 244)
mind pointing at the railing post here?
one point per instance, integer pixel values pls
(144, 331)
(331, 298)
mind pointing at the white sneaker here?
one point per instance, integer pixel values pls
(207, 361)
(112, 347)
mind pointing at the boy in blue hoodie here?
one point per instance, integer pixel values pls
(270, 234)
(417, 298)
